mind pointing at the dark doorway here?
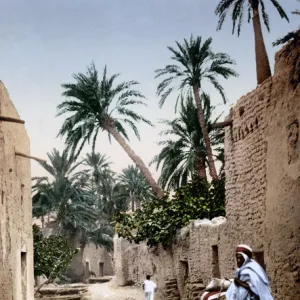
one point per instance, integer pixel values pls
(215, 262)
(101, 269)
(184, 268)
(24, 274)
(87, 269)
(259, 257)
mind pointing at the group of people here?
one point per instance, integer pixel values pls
(250, 280)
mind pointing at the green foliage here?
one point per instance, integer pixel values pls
(68, 195)
(194, 62)
(52, 255)
(183, 142)
(97, 103)
(293, 35)
(159, 219)
(286, 38)
(134, 187)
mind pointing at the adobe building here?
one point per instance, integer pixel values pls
(262, 154)
(97, 260)
(16, 245)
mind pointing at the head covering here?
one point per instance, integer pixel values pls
(252, 273)
(244, 249)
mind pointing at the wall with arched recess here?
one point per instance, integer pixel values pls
(16, 245)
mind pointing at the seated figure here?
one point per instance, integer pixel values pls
(251, 281)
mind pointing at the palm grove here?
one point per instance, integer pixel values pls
(83, 197)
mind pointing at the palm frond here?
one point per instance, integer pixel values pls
(90, 101)
(238, 8)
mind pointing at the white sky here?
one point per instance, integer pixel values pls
(42, 43)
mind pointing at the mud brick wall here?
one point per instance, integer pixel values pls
(16, 245)
(245, 156)
(282, 225)
(262, 152)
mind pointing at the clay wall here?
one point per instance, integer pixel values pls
(281, 224)
(16, 245)
(133, 262)
(262, 153)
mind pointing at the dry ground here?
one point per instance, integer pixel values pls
(111, 291)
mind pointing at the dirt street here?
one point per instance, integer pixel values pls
(111, 291)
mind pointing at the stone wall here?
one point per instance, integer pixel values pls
(16, 246)
(262, 152)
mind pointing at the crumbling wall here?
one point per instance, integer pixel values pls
(262, 154)
(133, 262)
(16, 246)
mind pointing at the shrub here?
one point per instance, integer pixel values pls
(159, 219)
(52, 255)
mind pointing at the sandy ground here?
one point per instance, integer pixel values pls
(110, 291)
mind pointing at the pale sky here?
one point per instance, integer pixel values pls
(42, 43)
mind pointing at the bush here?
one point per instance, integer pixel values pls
(159, 219)
(52, 255)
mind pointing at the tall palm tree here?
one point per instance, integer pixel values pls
(184, 152)
(195, 62)
(100, 105)
(134, 187)
(238, 7)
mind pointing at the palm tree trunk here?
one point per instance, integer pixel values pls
(200, 112)
(263, 70)
(200, 164)
(137, 160)
(76, 268)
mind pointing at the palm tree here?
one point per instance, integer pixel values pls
(134, 187)
(100, 105)
(102, 177)
(74, 205)
(67, 195)
(116, 202)
(41, 206)
(195, 63)
(184, 152)
(263, 70)
(110, 194)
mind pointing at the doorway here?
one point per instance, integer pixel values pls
(101, 269)
(24, 274)
(215, 262)
(259, 257)
(87, 269)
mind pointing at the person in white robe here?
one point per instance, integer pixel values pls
(251, 281)
(150, 287)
